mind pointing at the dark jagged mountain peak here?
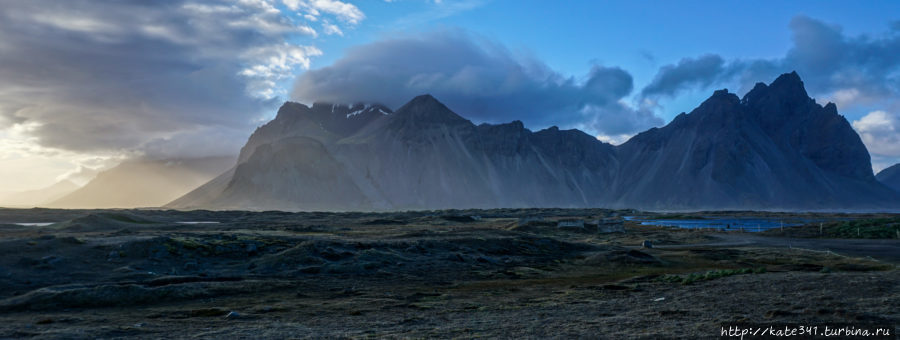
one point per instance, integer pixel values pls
(830, 108)
(515, 126)
(789, 81)
(329, 113)
(753, 95)
(721, 108)
(291, 110)
(427, 109)
(794, 121)
(356, 110)
(789, 87)
(426, 101)
(722, 93)
(323, 121)
(721, 100)
(787, 92)
(775, 148)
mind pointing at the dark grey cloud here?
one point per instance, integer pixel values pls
(480, 80)
(166, 77)
(826, 58)
(855, 72)
(833, 61)
(700, 72)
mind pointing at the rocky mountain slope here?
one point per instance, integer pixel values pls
(422, 156)
(890, 177)
(773, 149)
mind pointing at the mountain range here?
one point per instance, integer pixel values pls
(775, 149)
(38, 197)
(142, 183)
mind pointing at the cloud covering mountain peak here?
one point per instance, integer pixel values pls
(479, 78)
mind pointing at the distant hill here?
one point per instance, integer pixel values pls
(890, 177)
(38, 198)
(775, 148)
(144, 183)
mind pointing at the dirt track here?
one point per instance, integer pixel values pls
(883, 250)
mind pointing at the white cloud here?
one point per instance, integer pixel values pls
(271, 64)
(82, 174)
(293, 5)
(845, 97)
(880, 131)
(345, 12)
(331, 29)
(615, 139)
(28, 165)
(266, 25)
(74, 23)
(84, 81)
(262, 5)
(479, 79)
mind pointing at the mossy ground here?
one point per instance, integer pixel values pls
(421, 275)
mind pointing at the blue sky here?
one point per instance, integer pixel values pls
(85, 84)
(638, 36)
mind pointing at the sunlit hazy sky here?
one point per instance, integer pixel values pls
(85, 84)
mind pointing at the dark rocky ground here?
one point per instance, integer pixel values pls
(128, 274)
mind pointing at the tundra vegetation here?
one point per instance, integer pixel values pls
(452, 273)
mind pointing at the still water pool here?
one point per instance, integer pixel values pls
(752, 224)
(33, 224)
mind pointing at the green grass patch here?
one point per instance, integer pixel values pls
(863, 228)
(126, 218)
(871, 228)
(217, 246)
(176, 244)
(709, 275)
